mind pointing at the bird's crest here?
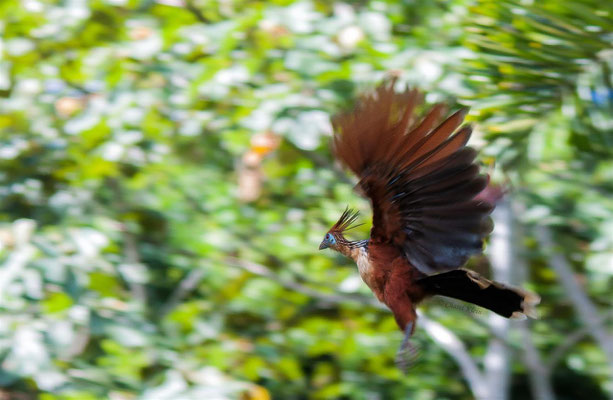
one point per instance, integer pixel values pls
(345, 222)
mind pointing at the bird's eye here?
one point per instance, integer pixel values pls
(328, 236)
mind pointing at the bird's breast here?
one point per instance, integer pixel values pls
(366, 270)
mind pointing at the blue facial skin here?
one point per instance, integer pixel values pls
(329, 240)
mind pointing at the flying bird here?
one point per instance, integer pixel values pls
(430, 213)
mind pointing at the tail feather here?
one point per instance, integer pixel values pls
(469, 286)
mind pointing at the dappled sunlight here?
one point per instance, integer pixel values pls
(167, 175)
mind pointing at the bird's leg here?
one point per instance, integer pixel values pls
(407, 353)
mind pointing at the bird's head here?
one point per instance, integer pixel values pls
(334, 239)
(329, 242)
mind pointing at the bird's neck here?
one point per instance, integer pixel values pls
(358, 252)
(353, 249)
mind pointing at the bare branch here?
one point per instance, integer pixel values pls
(444, 337)
(188, 5)
(191, 7)
(586, 311)
(187, 284)
(571, 339)
(449, 342)
(258, 269)
(130, 243)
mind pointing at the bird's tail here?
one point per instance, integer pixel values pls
(469, 286)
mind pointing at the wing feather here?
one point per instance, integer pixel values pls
(419, 175)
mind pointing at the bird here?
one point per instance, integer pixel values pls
(430, 204)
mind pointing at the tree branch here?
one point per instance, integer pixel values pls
(584, 308)
(571, 339)
(449, 342)
(260, 270)
(188, 5)
(191, 7)
(444, 337)
(130, 243)
(187, 284)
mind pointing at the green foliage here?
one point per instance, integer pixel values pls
(128, 200)
(545, 95)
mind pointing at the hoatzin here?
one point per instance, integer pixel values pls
(430, 213)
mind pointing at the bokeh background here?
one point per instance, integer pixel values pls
(166, 178)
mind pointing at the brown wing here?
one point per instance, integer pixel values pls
(420, 177)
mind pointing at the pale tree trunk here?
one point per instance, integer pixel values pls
(502, 258)
(508, 266)
(538, 373)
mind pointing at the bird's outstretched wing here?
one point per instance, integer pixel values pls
(420, 177)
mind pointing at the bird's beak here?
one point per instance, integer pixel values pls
(323, 245)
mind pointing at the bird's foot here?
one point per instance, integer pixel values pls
(407, 358)
(408, 353)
